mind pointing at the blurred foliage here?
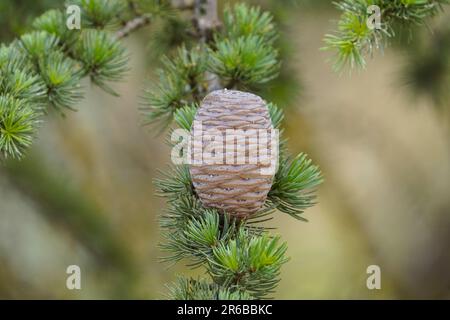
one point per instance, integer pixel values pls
(426, 70)
(73, 211)
(69, 208)
(17, 15)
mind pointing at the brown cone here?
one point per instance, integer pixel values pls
(236, 187)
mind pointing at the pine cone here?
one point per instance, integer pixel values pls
(233, 175)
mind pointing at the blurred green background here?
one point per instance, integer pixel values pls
(84, 193)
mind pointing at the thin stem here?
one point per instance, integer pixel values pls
(140, 21)
(206, 20)
(133, 25)
(184, 4)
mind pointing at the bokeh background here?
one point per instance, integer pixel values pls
(84, 193)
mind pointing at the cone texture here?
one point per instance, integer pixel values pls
(231, 159)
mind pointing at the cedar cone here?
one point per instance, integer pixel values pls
(221, 179)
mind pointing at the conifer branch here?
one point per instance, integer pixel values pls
(354, 39)
(242, 259)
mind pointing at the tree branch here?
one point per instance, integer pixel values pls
(207, 20)
(141, 21)
(133, 25)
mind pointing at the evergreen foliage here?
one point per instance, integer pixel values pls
(191, 289)
(354, 39)
(45, 66)
(242, 55)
